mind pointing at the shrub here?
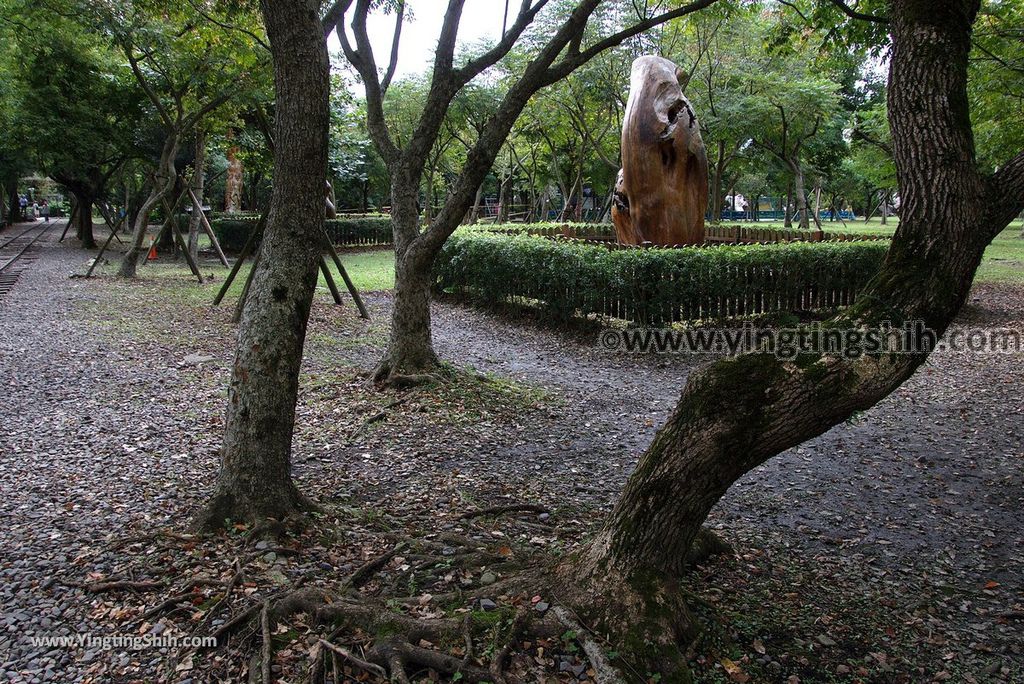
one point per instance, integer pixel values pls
(654, 286)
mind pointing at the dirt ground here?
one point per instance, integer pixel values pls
(889, 549)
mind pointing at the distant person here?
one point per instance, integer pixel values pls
(45, 211)
(35, 210)
(23, 203)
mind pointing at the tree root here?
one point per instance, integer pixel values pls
(366, 572)
(605, 673)
(268, 642)
(372, 668)
(499, 510)
(114, 585)
(497, 668)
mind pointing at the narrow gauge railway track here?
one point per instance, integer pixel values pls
(16, 252)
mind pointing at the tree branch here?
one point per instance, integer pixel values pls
(334, 15)
(854, 14)
(1007, 188)
(575, 58)
(527, 13)
(362, 59)
(393, 63)
(194, 118)
(445, 53)
(228, 27)
(165, 116)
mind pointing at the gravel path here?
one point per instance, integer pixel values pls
(111, 417)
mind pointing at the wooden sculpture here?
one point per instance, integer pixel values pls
(661, 192)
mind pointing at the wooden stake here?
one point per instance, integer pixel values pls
(237, 315)
(207, 227)
(71, 219)
(331, 285)
(113, 232)
(363, 313)
(246, 250)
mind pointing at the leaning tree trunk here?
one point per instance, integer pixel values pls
(735, 414)
(254, 482)
(163, 181)
(196, 221)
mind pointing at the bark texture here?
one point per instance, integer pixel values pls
(663, 190)
(254, 482)
(735, 414)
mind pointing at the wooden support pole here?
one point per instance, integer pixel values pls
(71, 219)
(178, 239)
(196, 206)
(113, 232)
(184, 248)
(331, 285)
(363, 313)
(246, 250)
(237, 315)
(105, 213)
(168, 220)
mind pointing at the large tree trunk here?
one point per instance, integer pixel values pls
(716, 184)
(83, 220)
(163, 182)
(255, 482)
(735, 414)
(195, 223)
(664, 163)
(14, 208)
(801, 194)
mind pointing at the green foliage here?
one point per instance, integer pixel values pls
(996, 82)
(653, 286)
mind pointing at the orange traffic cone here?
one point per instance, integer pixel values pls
(152, 251)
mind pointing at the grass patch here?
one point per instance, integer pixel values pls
(1004, 259)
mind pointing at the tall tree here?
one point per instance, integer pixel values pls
(561, 49)
(254, 482)
(187, 66)
(78, 106)
(735, 414)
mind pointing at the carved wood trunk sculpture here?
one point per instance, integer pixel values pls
(661, 192)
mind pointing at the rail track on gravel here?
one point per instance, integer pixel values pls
(16, 251)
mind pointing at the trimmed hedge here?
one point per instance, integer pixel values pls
(370, 230)
(656, 285)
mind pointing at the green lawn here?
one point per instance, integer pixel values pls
(370, 271)
(1004, 259)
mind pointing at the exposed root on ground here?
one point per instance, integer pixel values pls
(456, 624)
